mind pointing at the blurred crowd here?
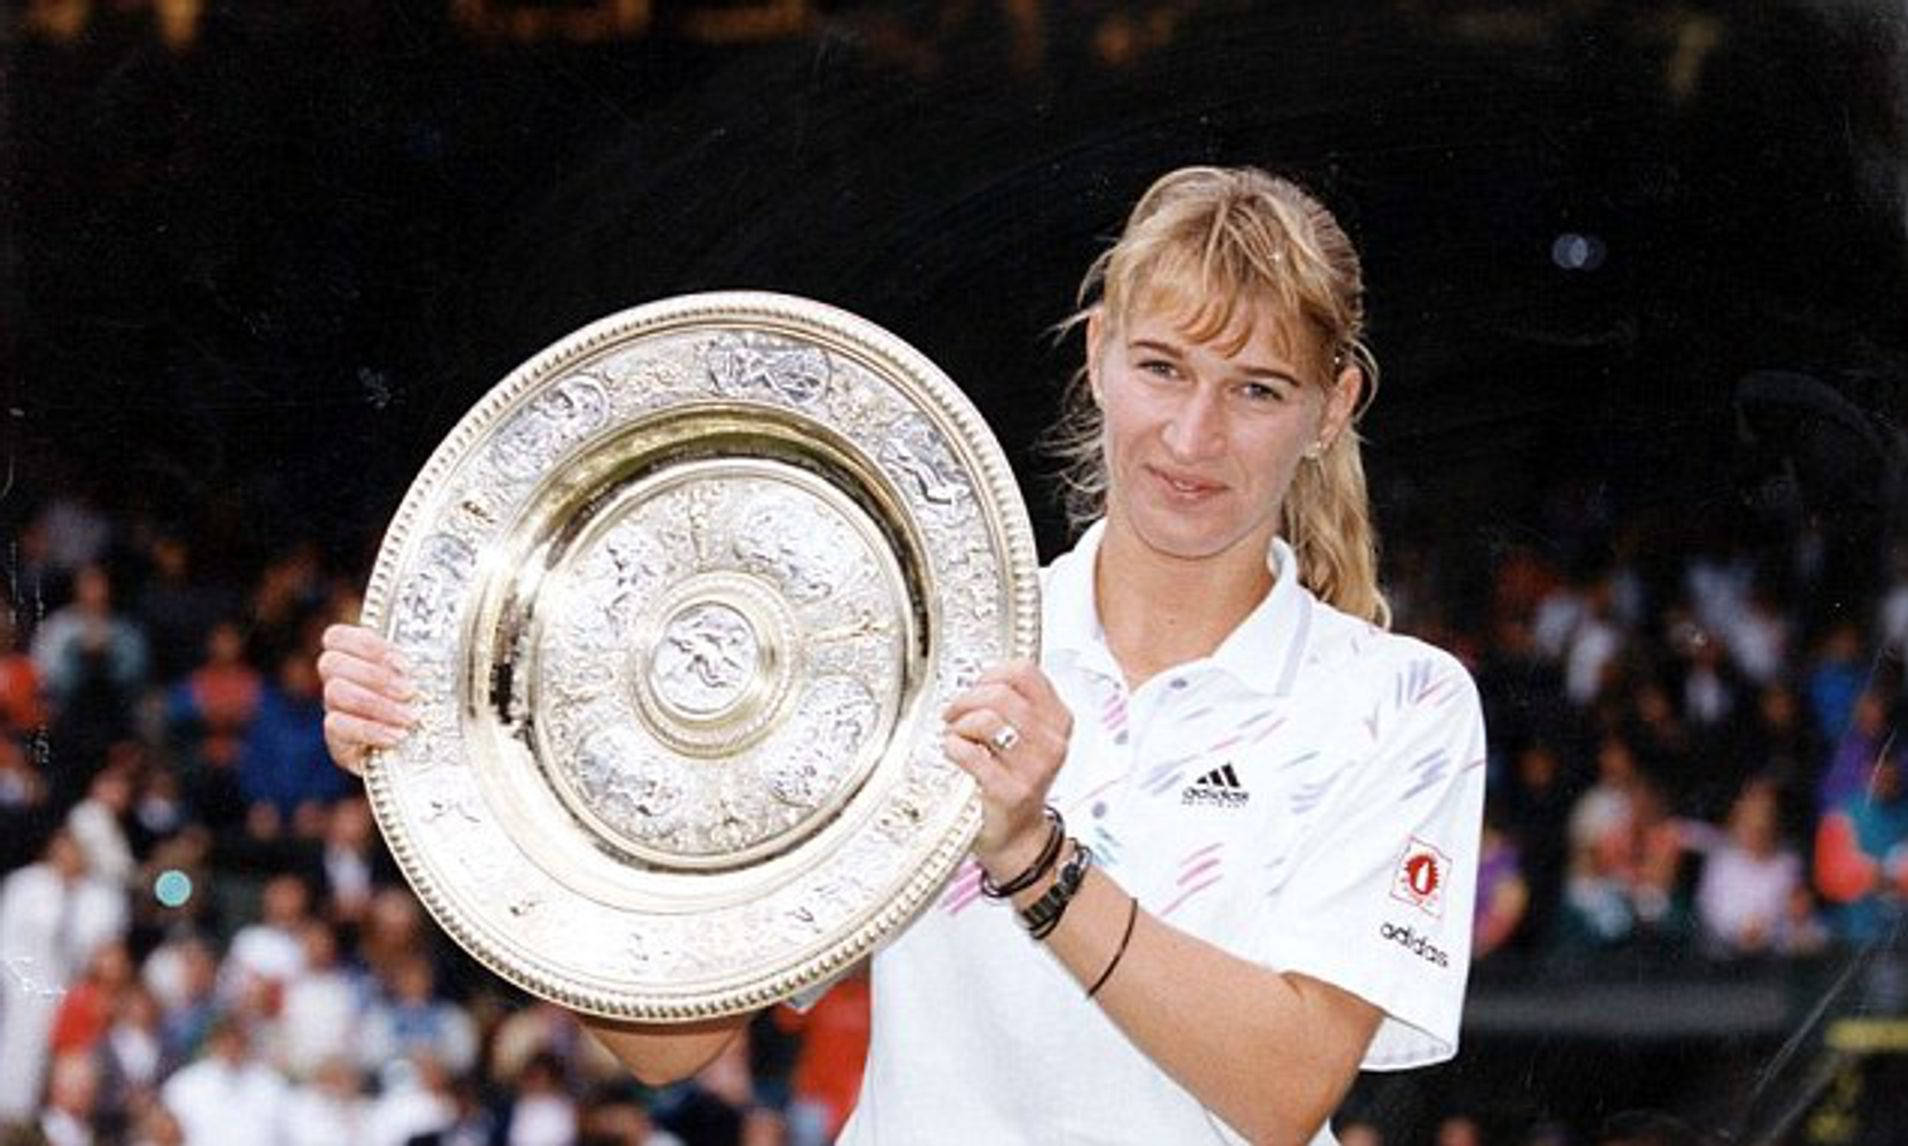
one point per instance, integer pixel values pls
(202, 939)
(1692, 748)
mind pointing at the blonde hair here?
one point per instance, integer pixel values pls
(1207, 241)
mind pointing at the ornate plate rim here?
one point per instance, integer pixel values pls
(995, 479)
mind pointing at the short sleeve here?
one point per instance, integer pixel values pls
(1379, 901)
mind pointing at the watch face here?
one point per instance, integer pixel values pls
(685, 595)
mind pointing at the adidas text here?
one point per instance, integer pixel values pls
(1416, 944)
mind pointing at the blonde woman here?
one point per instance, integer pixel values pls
(1230, 825)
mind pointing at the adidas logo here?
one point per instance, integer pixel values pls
(1219, 788)
(1417, 944)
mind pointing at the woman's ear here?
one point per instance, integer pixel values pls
(1341, 402)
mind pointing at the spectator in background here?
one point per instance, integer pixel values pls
(1892, 613)
(1778, 742)
(209, 711)
(87, 1010)
(283, 764)
(176, 609)
(72, 1094)
(86, 640)
(93, 665)
(1538, 805)
(328, 1108)
(717, 1107)
(834, 1048)
(351, 859)
(393, 930)
(1758, 636)
(1358, 1132)
(21, 712)
(154, 1125)
(98, 821)
(1838, 675)
(183, 975)
(290, 592)
(1746, 895)
(323, 1002)
(542, 1113)
(1503, 895)
(415, 1101)
(1521, 690)
(1711, 690)
(542, 1027)
(1555, 615)
(23, 796)
(1594, 647)
(269, 953)
(227, 1097)
(1652, 723)
(159, 812)
(1459, 1130)
(1625, 866)
(1603, 812)
(1718, 583)
(1861, 856)
(1857, 754)
(615, 1115)
(53, 914)
(132, 1059)
(409, 1018)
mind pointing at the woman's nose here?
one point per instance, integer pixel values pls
(1197, 426)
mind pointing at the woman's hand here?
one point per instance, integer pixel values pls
(366, 694)
(1010, 731)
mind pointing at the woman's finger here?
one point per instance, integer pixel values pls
(364, 643)
(350, 739)
(978, 762)
(346, 696)
(1021, 676)
(989, 731)
(335, 664)
(995, 698)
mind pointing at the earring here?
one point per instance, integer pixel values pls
(1315, 451)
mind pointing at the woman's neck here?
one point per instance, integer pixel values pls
(1159, 611)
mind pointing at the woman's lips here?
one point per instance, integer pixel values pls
(1184, 485)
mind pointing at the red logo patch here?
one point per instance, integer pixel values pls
(1420, 877)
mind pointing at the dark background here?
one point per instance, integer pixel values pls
(285, 251)
(1636, 261)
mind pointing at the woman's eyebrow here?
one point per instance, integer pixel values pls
(1279, 373)
(1254, 371)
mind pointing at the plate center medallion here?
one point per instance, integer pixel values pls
(708, 655)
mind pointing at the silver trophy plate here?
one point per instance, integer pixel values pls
(684, 596)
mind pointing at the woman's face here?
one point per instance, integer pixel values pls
(1202, 438)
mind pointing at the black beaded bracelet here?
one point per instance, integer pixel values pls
(1050, 851)
(1043, 914)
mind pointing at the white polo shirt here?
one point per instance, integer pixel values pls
(1308, 798)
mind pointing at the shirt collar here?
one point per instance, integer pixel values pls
(1071, 614)
(1263, 652)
